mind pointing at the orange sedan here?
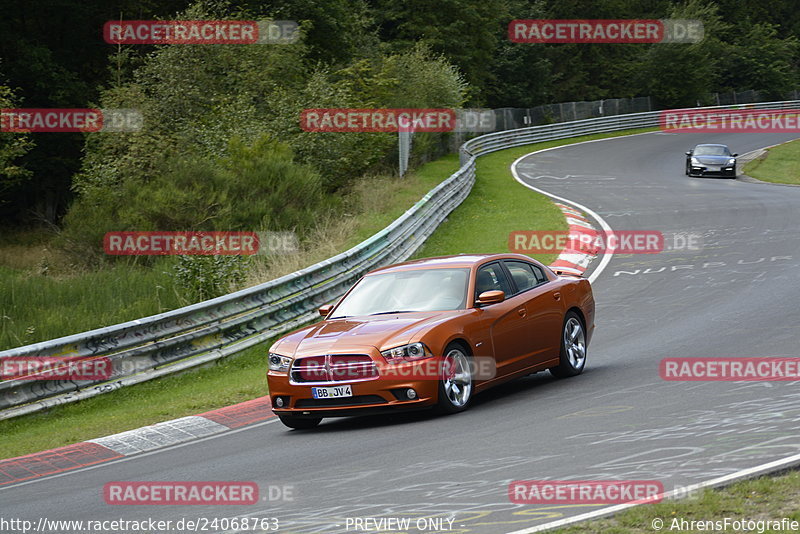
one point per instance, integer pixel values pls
(431, 333)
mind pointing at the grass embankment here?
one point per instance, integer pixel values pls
(37, 307)
(780, 164)
(73, 303)
(496, 206)
(765, 498)
(43, 296)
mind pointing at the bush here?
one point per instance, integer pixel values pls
(416, 78)
(256, 187)
(206, 277)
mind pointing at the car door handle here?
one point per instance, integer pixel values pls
(522, 312)
(557, 295)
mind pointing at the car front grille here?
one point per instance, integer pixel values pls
(333, 368)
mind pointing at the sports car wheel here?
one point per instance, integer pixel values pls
(299, 423)
(455, 385)
(573, 348)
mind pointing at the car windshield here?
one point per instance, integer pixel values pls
(406, 291)
(708, 150)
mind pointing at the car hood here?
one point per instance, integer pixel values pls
(713, 160)
(354, 333)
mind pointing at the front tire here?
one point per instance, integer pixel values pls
(300, 423)
(455, 385)
(573, 348)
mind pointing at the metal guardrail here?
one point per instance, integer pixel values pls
(550, 132)
(162, 344)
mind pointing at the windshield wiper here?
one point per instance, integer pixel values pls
(390, 312)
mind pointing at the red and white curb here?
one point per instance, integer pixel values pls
(580, 209)
(572, 260)
(140, 440)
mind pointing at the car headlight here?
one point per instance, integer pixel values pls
(279, 363)
(410, 352)
(695, 161)
(731, 161)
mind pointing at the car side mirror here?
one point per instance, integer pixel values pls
(325, 310)
(490, 297)
(734, 155)
(688, 152)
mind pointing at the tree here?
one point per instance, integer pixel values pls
(678, 75)
(53, 51)
(759, 59)
(466, 32)
(13, 146)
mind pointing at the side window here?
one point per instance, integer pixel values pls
(524, 274)
(491, 277)
(539, 272)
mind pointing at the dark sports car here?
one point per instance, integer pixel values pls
(711, 160)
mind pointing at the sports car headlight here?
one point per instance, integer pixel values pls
(411, 352)
(695, 161)
(279, 363)
(731, 161)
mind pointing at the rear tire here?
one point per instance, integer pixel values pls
(300, 423)
(573, 348)
(455, 385)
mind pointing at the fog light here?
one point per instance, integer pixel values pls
(279, 402)
(411, 394)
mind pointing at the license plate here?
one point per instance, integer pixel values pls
(713, 168)
(334, 392)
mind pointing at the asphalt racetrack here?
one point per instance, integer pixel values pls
(737, 295)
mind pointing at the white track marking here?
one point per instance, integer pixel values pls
(603, 224)
(715, 482)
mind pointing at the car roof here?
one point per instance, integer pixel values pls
(454, 261)
(710, 144)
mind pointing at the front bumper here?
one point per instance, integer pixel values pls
(376, 395)
(728, 171)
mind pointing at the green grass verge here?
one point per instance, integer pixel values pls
(37, 307)
(242, 378)
(765, 498)
(780, 165)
